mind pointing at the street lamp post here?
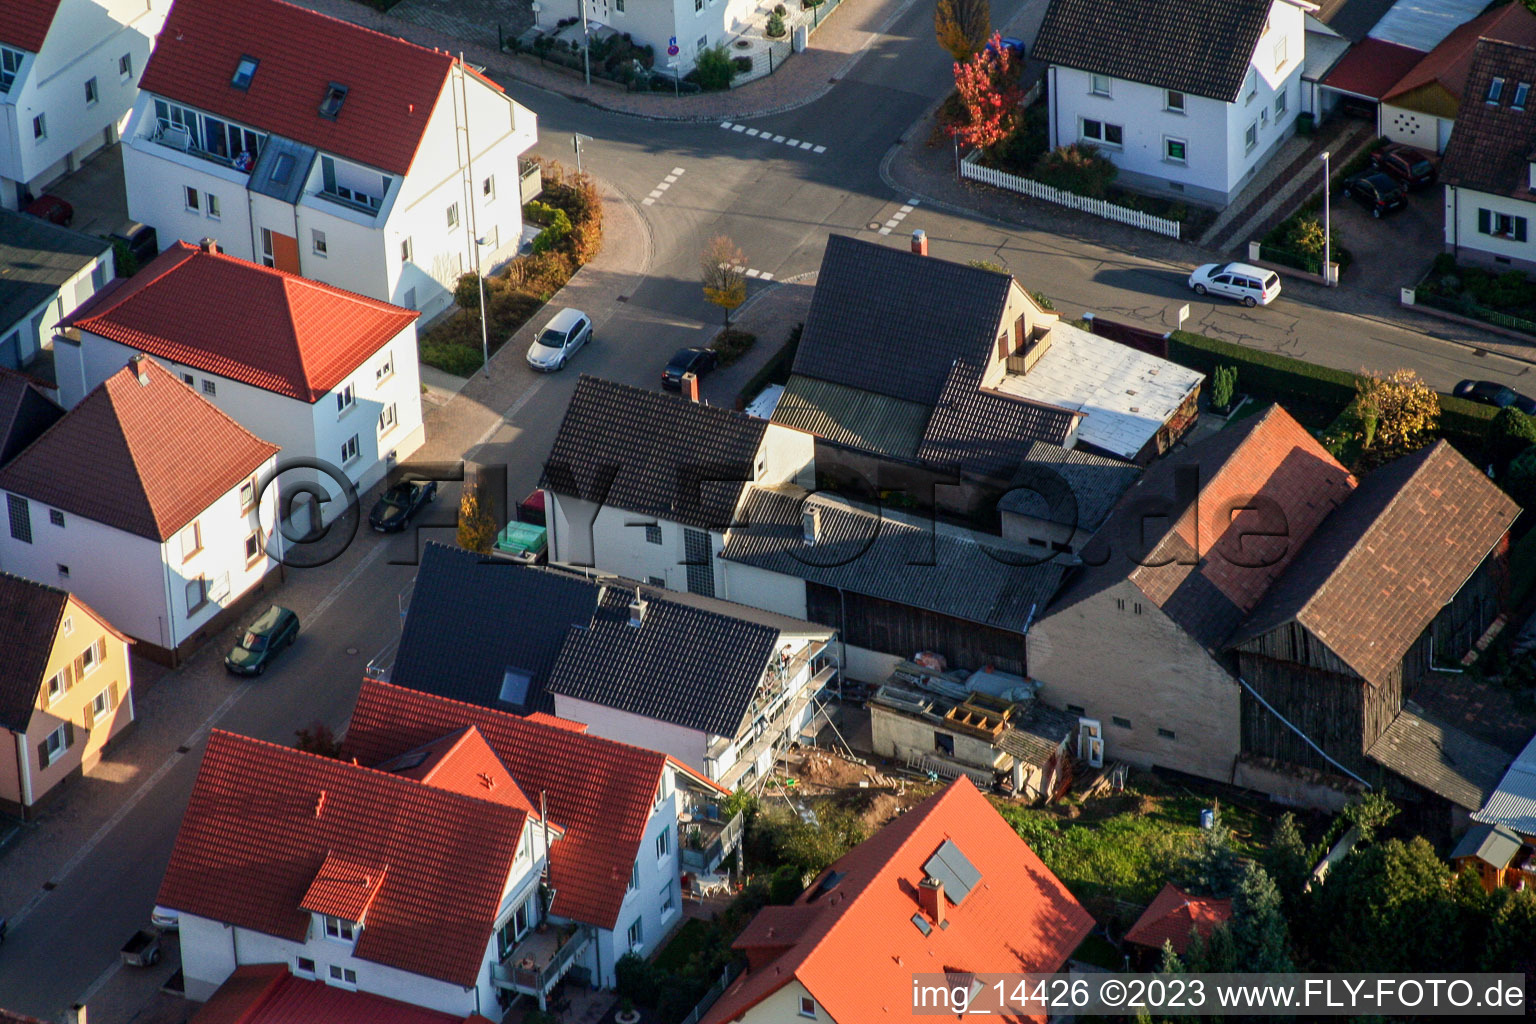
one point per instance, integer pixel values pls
(677, 89)
(576, 140)
(1327, 221)
(586, 43)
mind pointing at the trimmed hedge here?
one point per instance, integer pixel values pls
(774, 371)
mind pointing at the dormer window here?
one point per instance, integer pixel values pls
(331, 105)
(1522, 90)
(244, 73)
(1495, 90)
(342, 931)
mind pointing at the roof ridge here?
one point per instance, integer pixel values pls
(133, 289)
(400, 40)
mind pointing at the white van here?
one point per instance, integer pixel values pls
(1250, 285)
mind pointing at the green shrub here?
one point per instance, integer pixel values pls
(554, 234)
(1223, 386)
(1279, 377)
(743, 64)
(1078, 168)
(1509, 433)
(1043, 302)
(775, 28)
(123, 259)
(635, 979)
(535, 212)
(1520, 479)
(786, 885)
(450, 357)
(713, 69)
(731, 344)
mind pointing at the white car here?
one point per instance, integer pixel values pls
(566, 332)
(1250, 285)
(165, 919)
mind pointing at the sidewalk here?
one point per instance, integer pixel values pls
(804, 78)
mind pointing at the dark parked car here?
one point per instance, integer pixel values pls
(400, 503)
(1410, 166)
(1377, 192)
(275, 630)
(1490, 393)
(1013, 45)
(141, 242)
(697, 361)
(52, 209)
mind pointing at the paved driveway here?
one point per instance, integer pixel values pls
(1392, 252)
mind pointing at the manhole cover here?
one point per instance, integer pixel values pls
(351, 650)
(183, 750)
(50, 886)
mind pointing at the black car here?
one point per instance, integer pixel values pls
(1489, 393)
(1377, 192)
(697, 361)
(274, 630)
(400, 503)
(140, 241)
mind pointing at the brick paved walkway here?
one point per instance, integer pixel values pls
(834, 49)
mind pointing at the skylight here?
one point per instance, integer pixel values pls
(282, 168)
(244, 73)
(514, 686)
(331, 105)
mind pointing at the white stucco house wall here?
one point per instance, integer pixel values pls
(696, 25)
(322, 373)
(69, 73)
(145, 501)
(51, 271)
(1121, 78)
(327, 150)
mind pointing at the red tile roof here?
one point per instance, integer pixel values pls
(263, 820)
(26, 23)
(1449, 63)
(1371, 68)
(268, 994)
(1174, 915)
(343, 888)
(143, 458)
(240, 320)
(600, 792)
(855, 948)
(392, 85)
(463, 762)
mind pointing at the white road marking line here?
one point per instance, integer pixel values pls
(647, 201)
(751, 272)
(669, 179)
(655, 194)
(751, 131)
(663, 186)
(907, 208)
(820, 149)
(738, 127)
(679, 170)
(766, 276)
(793, 142)
(885, 231)
(778, 138)
(898, 216)
(892, 223)
(805, 145)
(726, 125)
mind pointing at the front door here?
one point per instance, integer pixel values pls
(285, 252)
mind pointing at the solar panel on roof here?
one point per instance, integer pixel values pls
(955, 870)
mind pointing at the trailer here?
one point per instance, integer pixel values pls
(143, 950)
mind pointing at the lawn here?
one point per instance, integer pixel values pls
(691, 938)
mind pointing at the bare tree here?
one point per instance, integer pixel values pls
(722, 268)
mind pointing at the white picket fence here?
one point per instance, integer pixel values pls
(969, 168)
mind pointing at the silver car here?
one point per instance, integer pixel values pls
(566, 332)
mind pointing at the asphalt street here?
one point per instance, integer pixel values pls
(71, 912)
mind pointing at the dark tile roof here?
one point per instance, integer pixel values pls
(1202, 571)
(31, 613)
(682, 665)
(653, 454)
(893, 560)
(986, 433)
(25, 412)
(889, 321)
(1384, 563)
(1440, 757)
(459, 640)
(860, 419)
(36, 257)
(1067, 486)
(1490, 147)
(1201, 47)
(1352, 19)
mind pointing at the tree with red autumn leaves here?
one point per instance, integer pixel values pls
(989, 90)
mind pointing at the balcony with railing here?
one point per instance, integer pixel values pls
(538, 962)
(184, 140)
(360, 202)
(708, 835)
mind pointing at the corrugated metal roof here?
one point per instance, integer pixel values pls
(1093, 484)
(1513, 803)
(1493, 844)
(1424, 24)
(860, 419)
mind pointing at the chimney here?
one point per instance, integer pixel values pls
(810, 524)
(320, 803)
(637, 610)
(139, 371)
(920, 242)
(930, 896)
(75, 1014)
(691, 386)
(209, 246)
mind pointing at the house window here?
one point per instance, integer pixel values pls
(244, 72)
(944, 743)
(1100, 131)
(1521, 92)
(191, 541)
(343, 975)
(252, 549)
(661, 792)
(349, 450)
(1123, 723)
(385, 370)
(656, 581)
(248, 495)
(317, 238)
(69, 624)
(189, 380)
(1251, 137)
(21, 518)
(618, 5)
(1120, 603)
(636, 934)
(1281, 103)
(344, 399)
(1137, 608)
(335, 95)
(653, 533)
(807, 1006)
(488, 188)
(1076, 709)
(387, 419)
(405, 250)
(703, 43)
(304, 967)
(1251, 85)
(1175, 151)
(58, 685)
(336, 928)
(10, 66)
(1166, 734)
(40, 127)
(125, 66)
(90, 92)
(1173, 100)
(664, 843)
(103, 703)
(508, 934)
(1495, 90)
(213, 204)
(667, 900)
(453, 215)
(56, 517)
(209, 387)
(90, 659)
(197, 593)
(193, 198)
(267, 259)
(1098, 85)
(54, 744)
(63, 570)
(634, 876)
(698, 5)
(1489, 222)
(1280, 54)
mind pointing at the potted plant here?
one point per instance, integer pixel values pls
(627, 1014)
